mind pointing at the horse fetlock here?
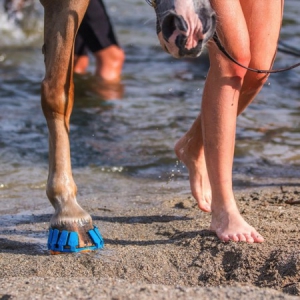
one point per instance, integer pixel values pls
(61, 197)
(61, 188)
(68, 210)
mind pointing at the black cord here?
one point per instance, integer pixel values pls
(223, 50)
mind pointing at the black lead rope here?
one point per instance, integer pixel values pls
(223, 50)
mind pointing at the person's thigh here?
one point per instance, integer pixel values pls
(263, 18)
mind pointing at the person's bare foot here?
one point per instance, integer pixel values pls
(229, 225)
(190, 151)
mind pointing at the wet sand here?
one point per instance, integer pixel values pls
(157, 246)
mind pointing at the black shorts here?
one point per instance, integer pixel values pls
(95, 32)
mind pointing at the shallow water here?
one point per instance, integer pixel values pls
(133, 136)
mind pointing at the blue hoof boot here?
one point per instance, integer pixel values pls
(68, 242)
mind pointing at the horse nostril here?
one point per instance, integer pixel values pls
(181, 41)
(183, 52)
(172, 22)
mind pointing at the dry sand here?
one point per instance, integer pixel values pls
(157, 247)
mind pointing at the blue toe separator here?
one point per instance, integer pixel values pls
(66, 241)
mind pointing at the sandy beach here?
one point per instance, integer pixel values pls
(157, 246)
(157, 242)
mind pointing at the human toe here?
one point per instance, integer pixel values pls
(223, 237)
(204, 206)
(249, 238)
(241, 237)
(233, 237)
(257, 237)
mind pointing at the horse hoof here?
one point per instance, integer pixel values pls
(63, 241)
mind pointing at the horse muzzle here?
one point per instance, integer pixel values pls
(185, 33)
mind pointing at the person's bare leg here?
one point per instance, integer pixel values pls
(263, 44)
(109, 63)
(81, 63)
(219, 110)
(189, 149)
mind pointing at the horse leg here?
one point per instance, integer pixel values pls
(61, 22)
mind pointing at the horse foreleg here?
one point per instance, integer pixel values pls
(61, 22)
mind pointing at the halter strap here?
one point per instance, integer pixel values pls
(223, 50)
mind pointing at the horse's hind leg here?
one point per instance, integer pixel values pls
(62, 19)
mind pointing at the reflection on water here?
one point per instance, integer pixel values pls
(130, 129)
(91, 87)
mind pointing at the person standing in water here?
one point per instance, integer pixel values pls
(249, 30)
(96, 35)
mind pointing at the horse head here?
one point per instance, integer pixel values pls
(184, 26)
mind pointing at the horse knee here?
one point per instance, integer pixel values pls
(54, 99)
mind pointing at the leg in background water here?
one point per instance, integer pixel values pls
(110, 63)
(81, 63)
(96, 35)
